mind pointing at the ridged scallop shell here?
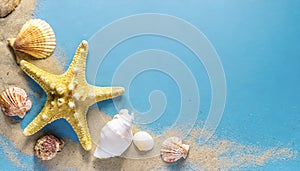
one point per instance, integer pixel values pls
(36, 38)
(47, 147)
(14, 102)
(172, 149)
(7, 6)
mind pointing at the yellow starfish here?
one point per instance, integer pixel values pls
(68, 96)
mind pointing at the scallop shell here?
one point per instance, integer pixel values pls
(172, 149)
(143, 141)
(36, 38)
(47, 147)
(116, 136)
(14, 102)
(7, 6)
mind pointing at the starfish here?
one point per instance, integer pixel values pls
(68, 96)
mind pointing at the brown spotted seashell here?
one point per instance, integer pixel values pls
(172, 149)
(36, 38)
(14, 102)
(7, 6)
(47, 147)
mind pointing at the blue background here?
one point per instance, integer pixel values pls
(258, 43)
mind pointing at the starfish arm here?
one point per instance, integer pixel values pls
(40, 121)
(43, 78)
(78, 65)
(69, 96)
(79, 124)
(104, 93)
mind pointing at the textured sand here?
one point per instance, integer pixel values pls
(217, 154)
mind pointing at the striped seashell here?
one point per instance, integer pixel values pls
(7, 6)
(36, 38)
(14, 102)
(47, 147)
(172, 149)
(116, 136)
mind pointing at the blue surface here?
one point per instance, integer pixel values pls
(258, 43)
(19, 161)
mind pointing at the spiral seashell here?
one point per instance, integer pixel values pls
(36, 38)
(7, 6)
(172, 149)
(143, 141)
(14, 102)
(116, 136)
(47, 147)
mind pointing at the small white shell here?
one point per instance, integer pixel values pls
(172, 149)
(14, 102)
(36, 38)
(116, 136)
(143, 141)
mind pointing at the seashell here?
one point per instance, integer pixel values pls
(7, 6)
(47, 147)
(172, 149)
(14, 102)
(116, 136)
(36, 38)
(143, 141)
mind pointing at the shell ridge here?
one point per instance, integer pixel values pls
(14, 102)
(173, 149)
(36, 38)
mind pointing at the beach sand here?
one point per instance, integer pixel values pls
(217, 154)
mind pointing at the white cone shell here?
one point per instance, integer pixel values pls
(143, 141)
(116, 136)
